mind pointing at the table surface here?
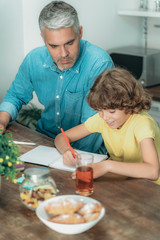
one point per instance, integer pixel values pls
(132, 205)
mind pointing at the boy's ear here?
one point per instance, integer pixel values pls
(81, 31)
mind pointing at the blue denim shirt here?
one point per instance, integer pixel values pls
(63, 94)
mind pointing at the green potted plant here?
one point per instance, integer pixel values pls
(8, 157)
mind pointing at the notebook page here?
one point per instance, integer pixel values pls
(41, 155)
(50, 156)
(97, 157)
(60, 165)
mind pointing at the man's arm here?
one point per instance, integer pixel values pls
(5, 118)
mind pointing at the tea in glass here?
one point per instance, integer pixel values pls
(84, 175)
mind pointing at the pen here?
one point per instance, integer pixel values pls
(68, 143)
(24, 143)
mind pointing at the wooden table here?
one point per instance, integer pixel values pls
(132, 205)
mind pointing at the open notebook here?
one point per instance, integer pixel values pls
(50, 156)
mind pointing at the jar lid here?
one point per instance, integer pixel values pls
(35, 173)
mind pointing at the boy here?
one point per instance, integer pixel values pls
(131, 136)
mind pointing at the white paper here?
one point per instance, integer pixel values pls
(24, 143)
(50, 156)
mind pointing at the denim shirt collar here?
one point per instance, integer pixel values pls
(49, 63)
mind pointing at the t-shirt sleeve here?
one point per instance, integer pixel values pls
(145, 129)
(94, 124)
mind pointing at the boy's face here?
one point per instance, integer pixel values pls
(63, 45)
(114, 118)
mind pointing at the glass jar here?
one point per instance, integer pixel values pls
(37, 186)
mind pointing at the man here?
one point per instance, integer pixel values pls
(61, 73)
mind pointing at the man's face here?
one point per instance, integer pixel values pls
(63, 45)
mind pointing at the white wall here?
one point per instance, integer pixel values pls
(31, 11)
(11, 42)
(154, 33)
(101, 23)
(101, 26)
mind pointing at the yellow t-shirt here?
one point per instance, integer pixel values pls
(124, 144)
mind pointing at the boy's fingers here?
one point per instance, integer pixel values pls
(73, 175)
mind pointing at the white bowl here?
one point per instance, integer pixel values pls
(67, 228)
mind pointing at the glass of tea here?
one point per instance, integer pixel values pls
(84, 174)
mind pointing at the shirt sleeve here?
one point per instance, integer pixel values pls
(10, 108)
(93, 124)
(145, 129)
(20, 91)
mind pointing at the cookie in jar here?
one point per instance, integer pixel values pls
(37, 186)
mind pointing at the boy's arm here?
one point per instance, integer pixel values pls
(5, 118)
(148, 169)
(73, 135)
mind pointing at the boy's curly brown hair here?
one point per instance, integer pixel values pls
(118, 89)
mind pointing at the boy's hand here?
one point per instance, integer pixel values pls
(99, 169)
(68, 158)
(73, 175)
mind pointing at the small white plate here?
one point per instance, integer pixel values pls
(67, 228)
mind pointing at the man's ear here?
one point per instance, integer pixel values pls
(42, 37)
(81, 31)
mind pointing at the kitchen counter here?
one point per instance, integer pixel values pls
(155, 92)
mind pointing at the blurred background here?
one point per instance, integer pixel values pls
(102, 25)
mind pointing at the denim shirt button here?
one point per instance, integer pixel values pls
(57, 96)
(57, 113)
(61, 76)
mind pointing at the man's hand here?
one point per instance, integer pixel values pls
(5, 118)
(2, 128)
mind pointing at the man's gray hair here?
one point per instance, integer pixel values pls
(58, 14)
